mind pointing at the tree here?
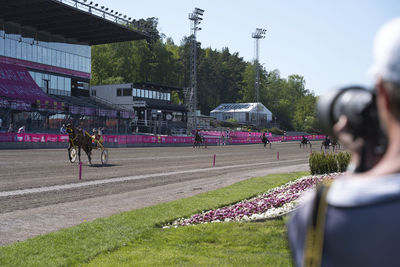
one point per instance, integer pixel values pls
(222, 76)
(304, 115)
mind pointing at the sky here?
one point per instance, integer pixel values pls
(329, 43)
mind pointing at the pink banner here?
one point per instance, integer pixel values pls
(63, 138)
(7, 137)
(148, 139)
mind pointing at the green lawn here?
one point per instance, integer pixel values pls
(217, 244)
(135, 238)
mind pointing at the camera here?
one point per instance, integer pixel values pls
(358, 104)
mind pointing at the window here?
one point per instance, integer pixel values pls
(2, 43)
(146, 93)
(67, 85)
(39, 79)
(134, 92)
(150, 94)
(24, 51)
(141, 93)
(17, 48)
(119, 92)
(127, 92)
(53, 54)
(53, 82)
(39, 54)
(61, 83)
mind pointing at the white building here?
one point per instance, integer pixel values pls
(248, 113)
(152, 104)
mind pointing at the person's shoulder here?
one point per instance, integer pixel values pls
(297, 225)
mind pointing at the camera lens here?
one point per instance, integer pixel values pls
(353, 102)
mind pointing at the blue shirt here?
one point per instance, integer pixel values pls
(362, 225)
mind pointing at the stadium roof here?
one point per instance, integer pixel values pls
(67, 21)
(157, 86)
(241, 107)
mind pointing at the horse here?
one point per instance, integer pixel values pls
(304, 142)
(335, 144)
(198, 141)
(326, 143)
(265, 141)
(78, 138)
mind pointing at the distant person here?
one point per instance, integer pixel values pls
(265, 140)
(197, 139)
(63, 130)
(11, 128)
(21, 129)
(96, 137)
(1, 123)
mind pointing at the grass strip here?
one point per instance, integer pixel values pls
(83, 243)
(213, 244)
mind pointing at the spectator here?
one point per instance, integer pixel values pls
(21, 129)
(11, 128)
(357, 219)
(63, 130)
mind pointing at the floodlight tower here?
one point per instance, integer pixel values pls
(196, 18)
(257, 35)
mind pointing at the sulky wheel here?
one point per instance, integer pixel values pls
(104, 157)
(73, 154)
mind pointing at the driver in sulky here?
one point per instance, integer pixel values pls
(96, 136)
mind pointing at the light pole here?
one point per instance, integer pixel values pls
(257, 35)
(196, 19)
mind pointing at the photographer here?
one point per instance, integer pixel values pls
(355, 220)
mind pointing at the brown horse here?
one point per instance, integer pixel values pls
(78, 138)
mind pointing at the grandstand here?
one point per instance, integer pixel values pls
(45, 64)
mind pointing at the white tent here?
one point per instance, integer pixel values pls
(243, 113)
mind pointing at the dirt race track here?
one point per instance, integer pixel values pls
(40, 191)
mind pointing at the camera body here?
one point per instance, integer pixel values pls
(359, 106)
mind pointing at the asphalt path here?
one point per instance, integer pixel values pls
(40, 190)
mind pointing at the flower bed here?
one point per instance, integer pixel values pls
(274, 203)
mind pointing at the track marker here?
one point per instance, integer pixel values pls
(277, 155)
(214, 160)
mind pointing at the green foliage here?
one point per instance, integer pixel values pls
(343, 160)
(321, 163)
(229, 123)
(276, 131)
(304, 118)
(103, 237)
(232, 120)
